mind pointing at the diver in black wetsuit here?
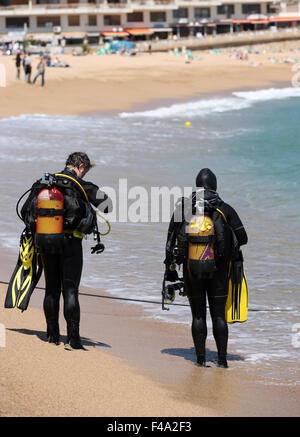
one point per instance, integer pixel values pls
(63, 269)
(216, 287)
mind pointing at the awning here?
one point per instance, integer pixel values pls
(241, 21)
(145, 31)
(114, 34)
(74, 35)
(283, 19)
(93, 34)
(211, 25)
(259, 22)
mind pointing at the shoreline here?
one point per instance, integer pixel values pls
(157, 103)
(160, 103)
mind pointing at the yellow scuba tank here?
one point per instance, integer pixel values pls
(201, 256)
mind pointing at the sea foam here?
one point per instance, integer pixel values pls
(202, 108)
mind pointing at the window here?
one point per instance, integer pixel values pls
(135, 17)
(227, 10)
(73, 20)
(92, 20)
(202, 13)
(158, 17)
(180, 13)
(14, 2)
(16, 22)
(112, 20)
(48, 21)
(251, 8)
(271, 9)
(46, 2)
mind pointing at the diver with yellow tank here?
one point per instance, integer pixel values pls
(205, 235)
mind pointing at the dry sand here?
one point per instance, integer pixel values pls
(114, 82)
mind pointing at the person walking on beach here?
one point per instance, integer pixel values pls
(198, 285)
(18, 64)
(41, 72)
(63, 267)
(28, 68)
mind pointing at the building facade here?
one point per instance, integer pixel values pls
(135, 19)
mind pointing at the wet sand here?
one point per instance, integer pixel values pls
(114, 82)
(133, 366)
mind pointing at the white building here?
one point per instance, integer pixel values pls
(134, 19)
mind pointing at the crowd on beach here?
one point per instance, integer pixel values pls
(24, 60)
(274, 52)
(256, 55)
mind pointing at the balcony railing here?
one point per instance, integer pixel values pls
(105, 4)
(91, 6)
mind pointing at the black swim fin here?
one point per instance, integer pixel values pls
(25, 275)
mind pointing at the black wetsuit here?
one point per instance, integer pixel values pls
(63, 272)
(215, 288)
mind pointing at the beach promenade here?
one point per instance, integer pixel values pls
(235, 39)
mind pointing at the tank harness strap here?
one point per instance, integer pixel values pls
(50, 212)
(201, 239)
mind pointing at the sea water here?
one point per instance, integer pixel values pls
(249, 139)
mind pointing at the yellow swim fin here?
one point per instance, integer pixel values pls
(25, 275)
(236, 309)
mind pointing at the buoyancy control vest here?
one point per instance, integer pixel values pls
(204, 238)
(57, 203)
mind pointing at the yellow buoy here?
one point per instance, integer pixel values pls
(187, 124)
